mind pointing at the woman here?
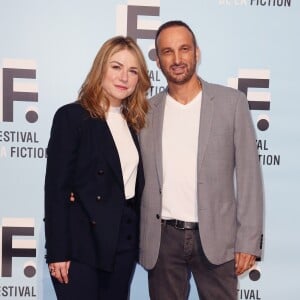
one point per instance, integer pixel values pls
(93, 152)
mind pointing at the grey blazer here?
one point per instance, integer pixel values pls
(230, 193)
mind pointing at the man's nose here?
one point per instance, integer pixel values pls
(177, 57)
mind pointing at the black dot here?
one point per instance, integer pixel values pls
(31, 116)
(254, 275)
(263, 124)
(152, 54)
(29, 271)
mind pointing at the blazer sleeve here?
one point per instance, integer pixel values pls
(248, 182)
(61, 161)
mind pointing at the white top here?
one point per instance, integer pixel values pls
(128, 153)
(179, 152)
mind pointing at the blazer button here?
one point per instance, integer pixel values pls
(100, 172)
(98, 198)
(158, 216)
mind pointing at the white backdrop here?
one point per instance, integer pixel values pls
(47, 48)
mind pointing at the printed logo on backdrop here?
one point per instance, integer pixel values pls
(139, 19)
(18, 254)
(256, 3)
(18, 89)
(255, 84)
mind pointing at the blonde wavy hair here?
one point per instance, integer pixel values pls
(92, 96)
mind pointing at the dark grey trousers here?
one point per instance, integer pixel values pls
(181, 255)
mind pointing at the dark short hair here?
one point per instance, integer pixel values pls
(174, 23)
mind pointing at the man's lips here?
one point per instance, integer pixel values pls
(178, 69)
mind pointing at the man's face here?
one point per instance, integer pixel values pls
(177, 54)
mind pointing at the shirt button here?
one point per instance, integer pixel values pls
(98, 198)
(100, 172)
(93, 222)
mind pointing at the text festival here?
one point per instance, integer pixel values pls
(24, 151)
(17, 291)
(248, 294)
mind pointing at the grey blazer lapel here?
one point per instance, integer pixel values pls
(206, 118)
(157, 121)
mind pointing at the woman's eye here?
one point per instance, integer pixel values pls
(135, 72)
(116, 67)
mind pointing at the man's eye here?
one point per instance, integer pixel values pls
(166, 52)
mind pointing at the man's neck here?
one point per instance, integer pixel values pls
(185, 93)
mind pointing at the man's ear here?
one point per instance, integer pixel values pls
(157, 62)
(198, 55)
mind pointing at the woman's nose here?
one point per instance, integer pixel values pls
(124, 76)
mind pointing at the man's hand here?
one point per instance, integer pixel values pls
(60, 270)
(243, 262)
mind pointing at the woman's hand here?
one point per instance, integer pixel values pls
(59, 270)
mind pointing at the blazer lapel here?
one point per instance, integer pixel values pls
(206, 118)
(158, 118)
(110, 150)
(140, 181)
(135, 138)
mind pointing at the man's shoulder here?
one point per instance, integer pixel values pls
(218, 89)
(156, 99)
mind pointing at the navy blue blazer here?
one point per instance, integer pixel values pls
(83, 159)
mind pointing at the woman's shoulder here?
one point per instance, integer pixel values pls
(70, 115)
(73, 110)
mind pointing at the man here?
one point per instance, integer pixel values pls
(202, 203)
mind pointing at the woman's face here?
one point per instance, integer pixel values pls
(121, 76)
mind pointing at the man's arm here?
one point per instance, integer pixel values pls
(249, 189)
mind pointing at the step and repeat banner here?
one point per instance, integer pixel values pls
(47, 48)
